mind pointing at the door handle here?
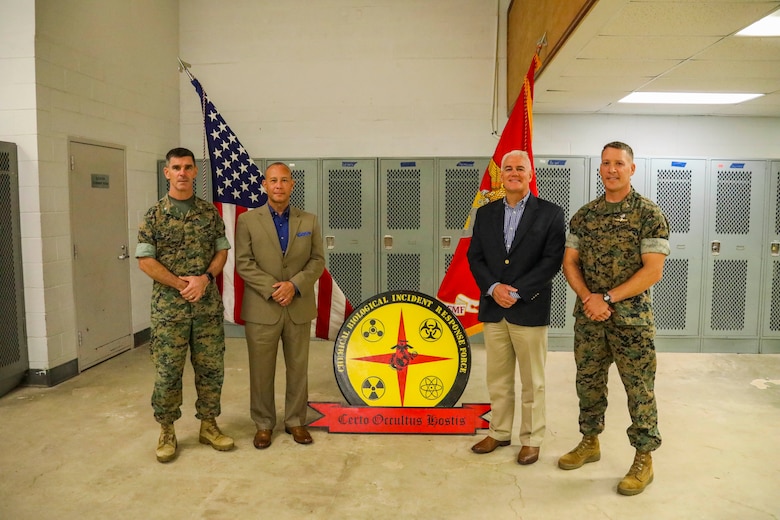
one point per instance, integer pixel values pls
(124, 255)
(330, 242)
(388, 241)
(774, 248)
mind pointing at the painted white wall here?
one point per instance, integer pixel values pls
(345, 77)
(18, 124)
(104, 71)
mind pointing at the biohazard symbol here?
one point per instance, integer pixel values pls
(372, 330)
(373, 388)
(431, 387)
(430, 330)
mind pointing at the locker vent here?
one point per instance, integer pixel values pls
(599, 183)
(10, 346)
(348, 270)
(403, 272)
(9, 340)
(670, 296)
(460, 186)
(774, 312)
(554, 184)
(298, 197)
(448, 260)
(674, 198)
(403, 199)
(558, 307)
(777, 204)
(728, 294)
(732, 208)
(344, 200)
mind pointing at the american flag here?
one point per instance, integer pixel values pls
(237, 187)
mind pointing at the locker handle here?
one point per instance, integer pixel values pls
(774, 248)
(715, 247)
(124, 255)
(446, 242)
(330, 242)
(388, 241)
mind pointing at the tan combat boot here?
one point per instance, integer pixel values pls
(166, 445)
(211, 434)
(586, 451)
(639, 476)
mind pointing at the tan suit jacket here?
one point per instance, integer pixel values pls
(259, 261)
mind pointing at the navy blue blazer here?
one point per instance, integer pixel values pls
(530, 265)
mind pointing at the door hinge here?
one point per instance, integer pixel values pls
(80, 338)
(75, 251)
(72, 163)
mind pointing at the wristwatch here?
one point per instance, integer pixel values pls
(209, 276)
(607, 297)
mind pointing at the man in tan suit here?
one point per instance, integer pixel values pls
(279, 255)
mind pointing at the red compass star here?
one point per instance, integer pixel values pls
(401, 358)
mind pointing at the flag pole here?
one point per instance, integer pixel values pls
(184, 67)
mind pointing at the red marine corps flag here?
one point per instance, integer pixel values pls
(237, 188)
(458, 288)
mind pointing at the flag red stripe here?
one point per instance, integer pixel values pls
(324, 295)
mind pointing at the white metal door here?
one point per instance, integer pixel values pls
(101, 267)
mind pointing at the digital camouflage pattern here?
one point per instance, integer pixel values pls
(205, 337)
(596, 346)
(185, 244)
(610, 239)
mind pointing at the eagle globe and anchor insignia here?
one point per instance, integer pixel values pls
(402, 361)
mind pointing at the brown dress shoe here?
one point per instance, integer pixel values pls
(488, 444)
(262, 439)
(528, 455)
(299, 434)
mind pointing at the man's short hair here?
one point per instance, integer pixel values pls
(620, 146)
(179, 152)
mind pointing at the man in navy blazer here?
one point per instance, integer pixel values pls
(516, 249)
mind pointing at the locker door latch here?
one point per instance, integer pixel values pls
(330, 242)
(715, 247)
(446, 242)
(124, 255)
(774, 248)
(388, 241)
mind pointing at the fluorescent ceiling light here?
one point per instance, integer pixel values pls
(687, 98)
(767, 26)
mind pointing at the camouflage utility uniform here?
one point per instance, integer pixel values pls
(610, 239)
(185, 244)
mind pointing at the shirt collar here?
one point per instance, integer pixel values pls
(285, 213)
(520, 204)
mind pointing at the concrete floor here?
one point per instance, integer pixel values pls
(85, 449)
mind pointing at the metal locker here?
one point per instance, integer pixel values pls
(349, 225)
(562, 180)
(13, 336)
(734, 234)
(770, 329)
(406, 231)
(457, 183)
(678, 186)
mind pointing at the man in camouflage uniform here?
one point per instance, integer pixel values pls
(182, 246)
(615, 252)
